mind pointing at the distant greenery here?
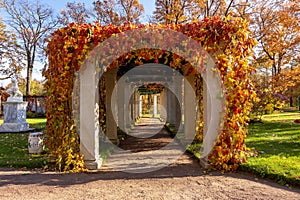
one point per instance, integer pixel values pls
(14, 148)
(37, 123)
(277, 140)
(288, 116)
(36, 87)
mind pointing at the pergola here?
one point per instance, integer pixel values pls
(214, 50)
(123, 99)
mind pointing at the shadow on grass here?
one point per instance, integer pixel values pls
(274, 138)
(278, 145)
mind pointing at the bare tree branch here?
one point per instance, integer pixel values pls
(32, 22)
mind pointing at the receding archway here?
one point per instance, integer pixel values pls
(89, 128)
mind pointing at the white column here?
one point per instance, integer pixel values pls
(207, 145)
(171, 99)
(213, 114)
(163, 105)
(127, 108)
(132, 109)
(189, 108)
(111, 126)
(155, 106)
(141, 105)
(178, 103)
(121, 108)
(168, 105)
(89, 119)
(136, 104)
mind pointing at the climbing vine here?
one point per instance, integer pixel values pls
(225, 39)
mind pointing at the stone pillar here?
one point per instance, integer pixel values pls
(163, 106)
(136, 105)
(127, 106)
(141, 105)
(171, 105)
(178, 103)
(89, 118)
(206, 118)
(155, 106)
(121, 108)
(131, 105)
(111, 126)
(158, 104)
(189, 108)
(168, 105)
(213, 114)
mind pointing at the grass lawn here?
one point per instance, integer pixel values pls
(277, 140)
(14, 148)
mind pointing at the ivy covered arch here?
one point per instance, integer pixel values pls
(225, 39)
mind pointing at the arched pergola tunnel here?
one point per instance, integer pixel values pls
(170, 101)
(123, 106)
(73, 50)
(149, 100)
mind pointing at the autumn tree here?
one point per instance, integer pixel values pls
(207, 8)
(74, 12)
(11, 58)
(288, 82)
(32, 22)
(182, 11)
(276, 27)
(164, 13)
(117, 12)
(37, 87)
(172, 11)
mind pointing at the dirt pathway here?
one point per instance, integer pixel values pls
(183, 179)
(147, 148)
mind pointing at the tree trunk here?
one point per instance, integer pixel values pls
(28, 79)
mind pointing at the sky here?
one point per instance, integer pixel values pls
(58, 5)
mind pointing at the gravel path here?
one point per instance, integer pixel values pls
(183, 179)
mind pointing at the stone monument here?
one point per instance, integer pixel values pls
(14, 111)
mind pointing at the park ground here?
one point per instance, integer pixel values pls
(181, 180)
(184, 179)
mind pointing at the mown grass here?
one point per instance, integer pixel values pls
(282, 117)
(37, 123)
(277, 140)
(14, 148)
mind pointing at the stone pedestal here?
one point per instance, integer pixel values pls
(14, 117)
